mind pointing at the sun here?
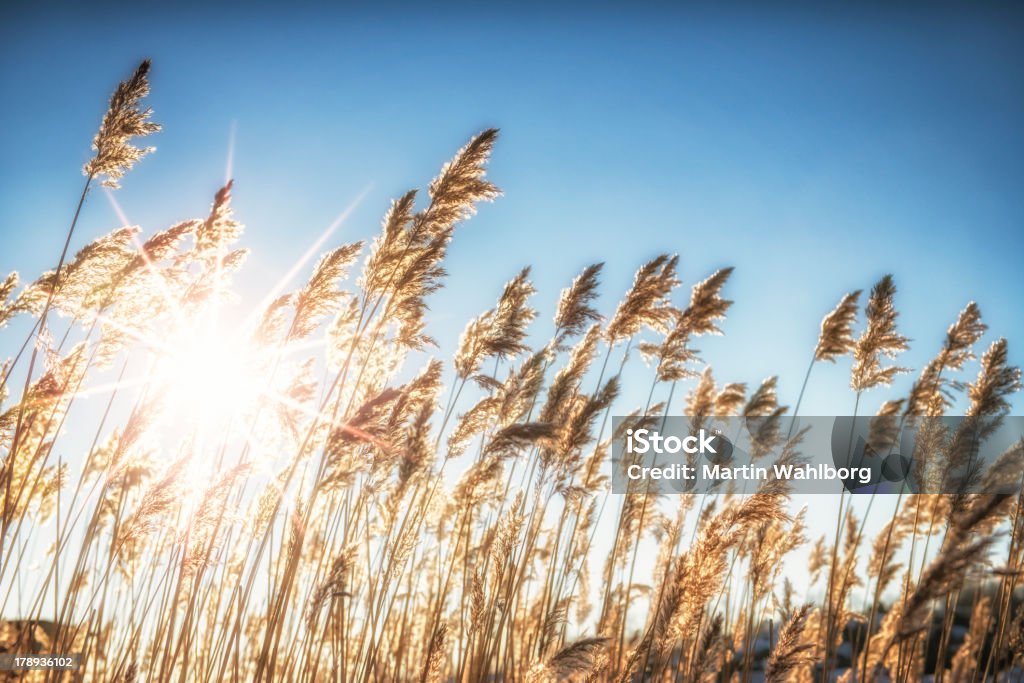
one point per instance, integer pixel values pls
(209, 379)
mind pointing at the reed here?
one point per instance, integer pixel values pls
(326, 494)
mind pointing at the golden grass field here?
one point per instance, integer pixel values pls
(301, 498)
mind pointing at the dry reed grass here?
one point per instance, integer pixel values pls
(324, 542)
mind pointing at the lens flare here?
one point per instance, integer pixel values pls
(209, 379)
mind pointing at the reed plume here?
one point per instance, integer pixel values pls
(320, 297)
(7, 310)
(996, 381)
(836, 336)
(879, 339)
(125, 119)
(498, 333)
(929, 395)
(792, 652)
(573, 662)
(646, 304)
(706, 308)
(575, 305)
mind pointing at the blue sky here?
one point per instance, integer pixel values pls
(812, 149)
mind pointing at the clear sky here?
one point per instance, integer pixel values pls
(813, 149)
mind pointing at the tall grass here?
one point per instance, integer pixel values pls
(307, 500)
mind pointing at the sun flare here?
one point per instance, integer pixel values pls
(209, 378)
